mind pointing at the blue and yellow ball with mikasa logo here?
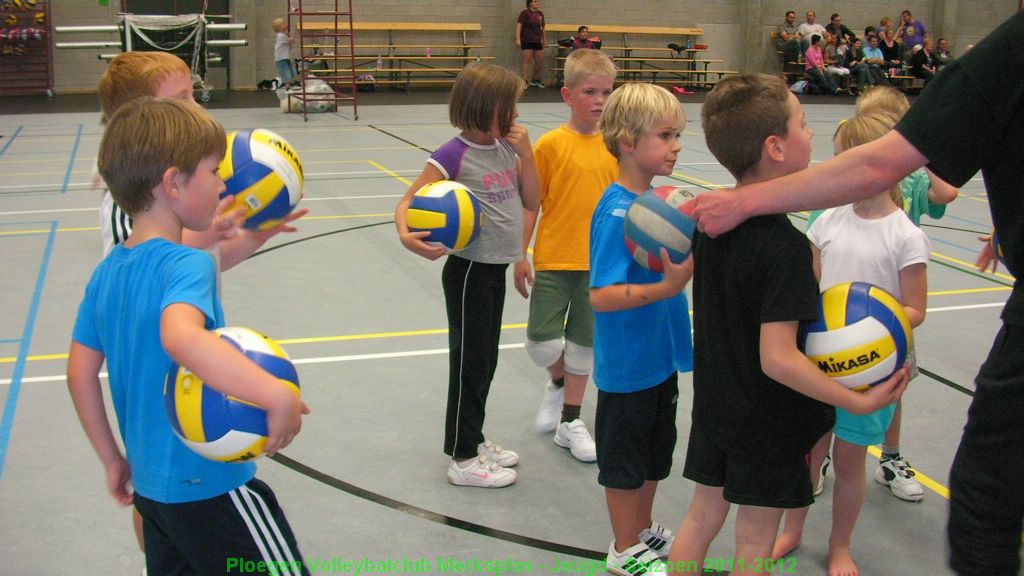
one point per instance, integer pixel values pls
(862, 335)
(449, 211)
(264, 174)
(218, 426)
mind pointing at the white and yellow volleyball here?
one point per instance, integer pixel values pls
(861, 337)
(218, 426)
(264, 173)
(449, 211)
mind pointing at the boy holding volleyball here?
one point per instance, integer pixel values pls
(641, 329)
(152, 300)
(574, 168)
(164, 75)
(751, 289)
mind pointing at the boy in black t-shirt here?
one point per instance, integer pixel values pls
(752, 287)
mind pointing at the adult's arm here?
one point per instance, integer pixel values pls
(857, 174)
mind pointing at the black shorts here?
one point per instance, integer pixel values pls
(749, 479)
(532, 46)
(636, 434)
(242, 532)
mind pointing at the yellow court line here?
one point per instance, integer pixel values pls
(41, 231)
(389, 172)
(921, 477)
(696, 180)
(970, 291)
(96, 228)
(970, 265)
(313, 340)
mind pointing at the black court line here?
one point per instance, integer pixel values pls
(432, 516)
(400, 139)
(946, 381)
(315, 236)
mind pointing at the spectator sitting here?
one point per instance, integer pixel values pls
(871, 71)
(837, 28)
(892, 52)
(809, 28)
(884, 25)
(870, 31)
(922, 63)
(787, 38)
(942, 54)
(814, 66)
(835, 60)
(583, 39)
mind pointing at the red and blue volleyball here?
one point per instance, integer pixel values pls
(218, 426)
(862, 335)
(264, 174)
(449, 211)
(658, 220)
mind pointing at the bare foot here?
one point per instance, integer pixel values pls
(840, 561)
(785, 544)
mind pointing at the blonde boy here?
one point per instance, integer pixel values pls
(641, 330)
(153, 300)
(751, 289)
(574, 168)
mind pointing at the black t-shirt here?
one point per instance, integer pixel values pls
(970, 118)
(758, 273)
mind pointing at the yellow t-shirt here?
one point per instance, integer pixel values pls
(574, 172)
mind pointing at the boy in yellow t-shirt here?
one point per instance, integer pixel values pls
(575, 167)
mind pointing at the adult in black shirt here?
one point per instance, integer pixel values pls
(836, 28)
(969, 118)
(922, 63)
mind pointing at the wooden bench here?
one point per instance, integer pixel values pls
(406, 61)
(907, 83)
(639, 61)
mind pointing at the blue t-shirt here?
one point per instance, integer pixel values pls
(637, 348)
(120, 317)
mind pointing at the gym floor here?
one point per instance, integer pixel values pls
(364, 321)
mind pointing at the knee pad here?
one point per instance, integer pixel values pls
(544, 354)
(579, 360)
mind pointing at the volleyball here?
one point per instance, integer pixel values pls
(658, 220)
(264, 174)
(861, 337)
(218, 426)
(449, 211)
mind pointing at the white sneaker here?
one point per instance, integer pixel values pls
(637, 560)
(497, 454)
(821, 475)
(897, 475)
(550, 411)
(574, 436)
(658, 539)
(480, 472)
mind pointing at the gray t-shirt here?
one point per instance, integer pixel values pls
(491, 173)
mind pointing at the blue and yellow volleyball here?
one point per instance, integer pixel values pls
(862, 335)
(218, 426)
(264, 173)
(997, 248)
(657, 219)
(449, 211)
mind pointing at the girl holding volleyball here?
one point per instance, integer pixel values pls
(493, 157)
(869, 241)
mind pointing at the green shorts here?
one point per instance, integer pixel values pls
(560, 306)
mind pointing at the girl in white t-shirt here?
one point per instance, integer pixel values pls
(870, 241)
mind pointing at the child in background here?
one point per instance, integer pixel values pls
(641, 330)
(152, 301)
(584, 40)
(134, 74)
(922, 193)
(283, 52)
(752, 287)
(871, 241)
(574, 168)
(492, 157)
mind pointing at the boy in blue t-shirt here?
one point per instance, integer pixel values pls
(641, 330)
(152, 300)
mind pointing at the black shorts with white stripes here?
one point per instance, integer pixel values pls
(241, 532)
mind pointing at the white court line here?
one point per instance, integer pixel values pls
(321, 360)
(95, 208)
(436, 351)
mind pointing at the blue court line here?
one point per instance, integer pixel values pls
(984, 225)
(10, 340)
(26, 341)
(13, 136)
(71, 163)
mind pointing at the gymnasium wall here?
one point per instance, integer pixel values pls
(737, 31)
